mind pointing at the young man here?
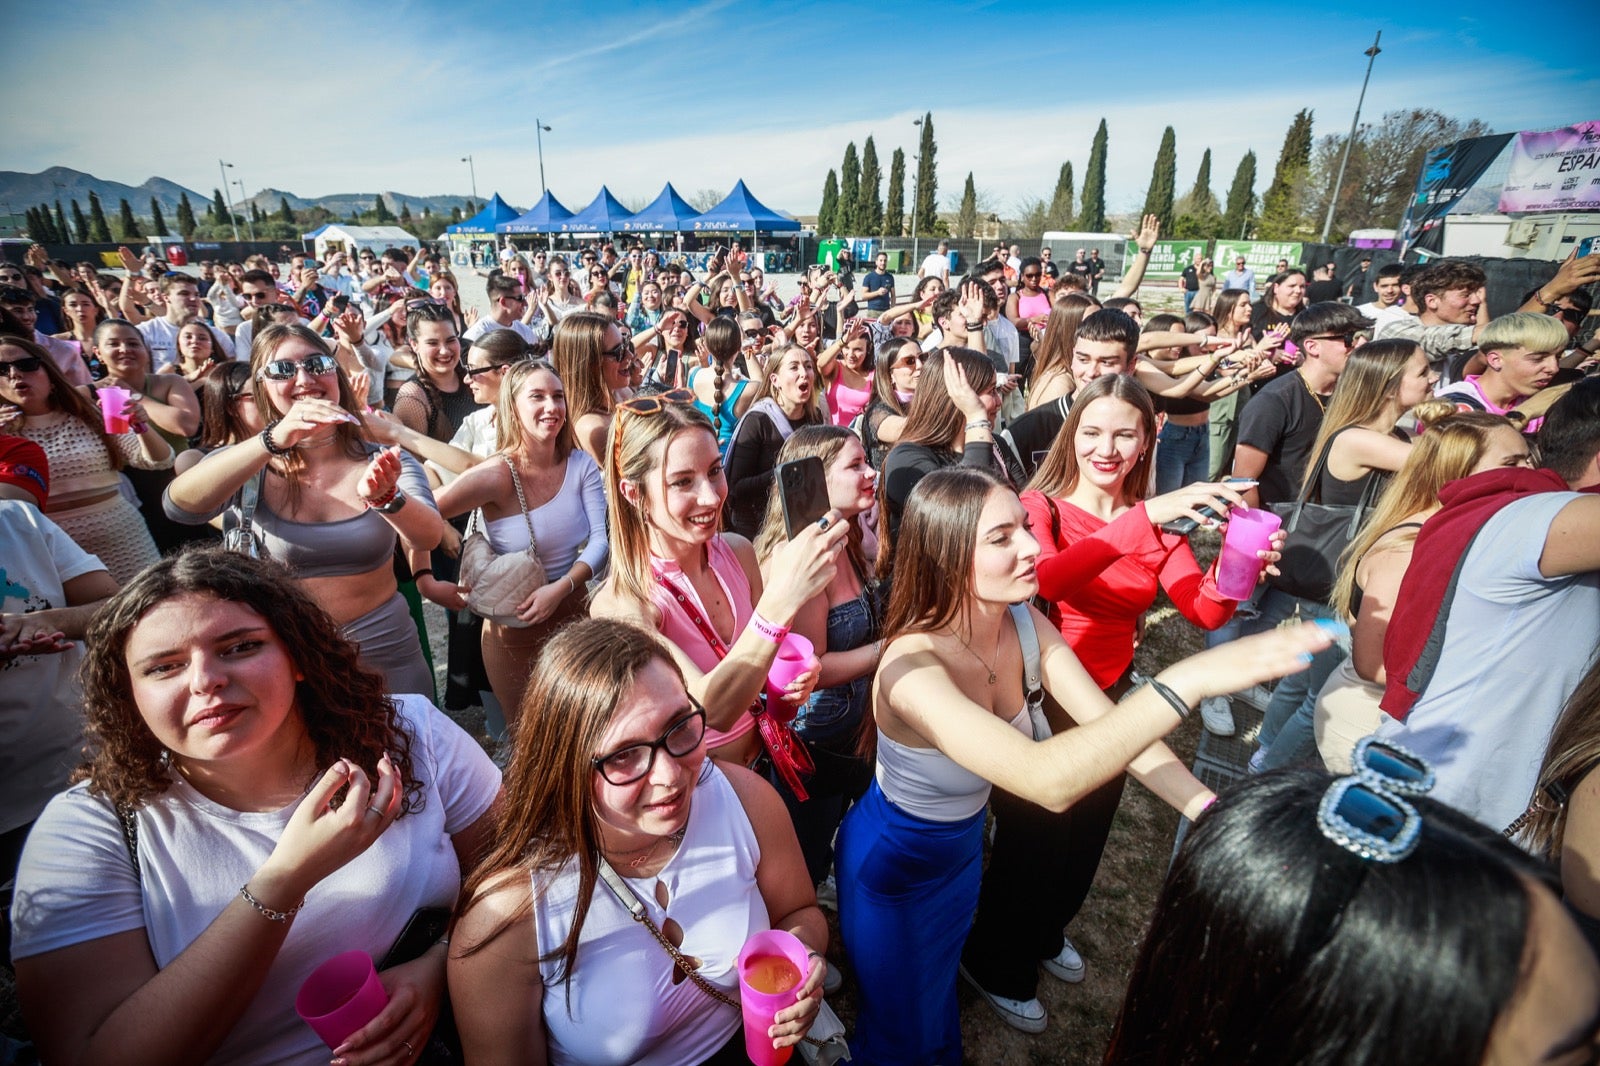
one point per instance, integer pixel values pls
(1047, 264)
(19, 301)
(257, 290)
(937, 264)
(1390, 303)
(1523, 352)
(1191, 280)
(1323, 288)
(877, 287)
(1097, 271)
(1451, 315)
(1079, 267)
(182, 297)
(507, 305)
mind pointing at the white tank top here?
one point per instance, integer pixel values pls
(623, 1005)
(927, 783)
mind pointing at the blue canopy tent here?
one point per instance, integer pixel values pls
(484, 222)
(739, 212)
(667, 213)
(546, 216)
(605, 214)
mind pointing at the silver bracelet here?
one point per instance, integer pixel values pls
(265, 911)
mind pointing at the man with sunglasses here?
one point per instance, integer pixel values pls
(257, 292)
(507, 306)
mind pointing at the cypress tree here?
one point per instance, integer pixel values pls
(1092, 218)
(284, 213)
(62, 232)
(1280, 204)
(1163, 181)
(219, 208)
(967, 216)
(828, 213)
(405, 213)
(926, 198)
(869, 212)
(849, 217)
(255, 212)
(381, 210)
(127, 225)
(31, 220)
(894, 214)
(99, 228)
(1241, 199)
(158, 221)
(80, 225)
(1060, 217)
(46, 225)
(186, 223)
(1201, 200)
(455, 214)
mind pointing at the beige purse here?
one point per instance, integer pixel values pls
(499, 584)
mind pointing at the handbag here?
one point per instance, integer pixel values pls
(824, 1045)
(239, 533)
(499, 583)
(1317, 533)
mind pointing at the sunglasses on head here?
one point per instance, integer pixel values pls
(643, 405)
(26, 365)
(285, 369)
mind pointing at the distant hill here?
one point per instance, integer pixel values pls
(20, 191)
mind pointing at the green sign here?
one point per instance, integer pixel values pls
(1168, 258)
(1260, 256)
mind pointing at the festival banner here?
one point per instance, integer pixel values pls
(1168, 258)
(1260, 256)
(1554, 170)
(1447, 173)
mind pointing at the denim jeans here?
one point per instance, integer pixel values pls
(1182, 456)
(1287, 734)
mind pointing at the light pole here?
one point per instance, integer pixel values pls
(916, 191)
(539, 130)
(467, 159)
(1333, 196)
(222, 168)
(250, 222)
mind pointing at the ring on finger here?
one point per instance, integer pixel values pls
(375, 810)
(410, 1051)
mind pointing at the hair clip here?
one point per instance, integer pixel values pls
(1369, 822)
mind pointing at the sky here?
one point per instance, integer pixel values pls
(318, 98)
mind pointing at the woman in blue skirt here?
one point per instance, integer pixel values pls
(952, 710)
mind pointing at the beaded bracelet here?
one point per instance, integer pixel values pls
(267, 912)
(768, 631)
(266, 440)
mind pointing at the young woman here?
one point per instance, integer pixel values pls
(645, 309)
(1028, 307)
(85, 497)
(437, 400)
(721, 390)
(1269, 913)
(672, 572)
(894, 386)
(842, 623)
(1284, 297)
(168, 398)
(1455, 445)
(537, 483)
(445, 290)
(668, 351)
(1233, 323)
(610, 778)
(563, 297)
(594, 362)
(951, 719)
(785, 397)
(228, 412)
(1206, 296)
(1052, 360)
(198, 351)
(82, 315)
(253, 804)
(846, 367)
(327, 506)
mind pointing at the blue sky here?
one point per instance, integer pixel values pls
(319, 98)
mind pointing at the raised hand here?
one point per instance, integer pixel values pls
(1149, 233)
(805, 565)
(382, 474)
(961, 393)
(352, 325)
(320, 837)
(309, 416)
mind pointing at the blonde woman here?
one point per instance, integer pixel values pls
(594, 361)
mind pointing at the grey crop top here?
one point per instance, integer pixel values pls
(323, 549)
(929, 784)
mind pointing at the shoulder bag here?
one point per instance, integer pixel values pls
(498, 583)
(239, 533)
(1318, 533)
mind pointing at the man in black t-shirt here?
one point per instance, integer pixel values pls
(877, 287)
(1191, 283)
(1097, 270)
(1049, 267)
(1080, 266)
(1323, 288)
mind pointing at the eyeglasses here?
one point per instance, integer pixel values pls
(474, 371)
(627, 765)
(751, 334)
(254, 296)
(1349, 339)
(17, 367)
(1570, 314)
(517, 296)
(316, 366)
(1030, 273)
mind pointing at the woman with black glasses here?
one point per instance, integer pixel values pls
(894, 386)
(310, 493)
(594, 362)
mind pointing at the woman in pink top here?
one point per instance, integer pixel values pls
(672, 571)
(846, 366)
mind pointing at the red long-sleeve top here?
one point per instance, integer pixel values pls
(1100, 577)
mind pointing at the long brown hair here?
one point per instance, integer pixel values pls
(508, 430)
(1053, 353)
(1058, 472)
(547, 820)
(263, 349)
(883, 374)
(1574, 749)
(341, 702)
(65, 397)
(933, 420)
(575, 352)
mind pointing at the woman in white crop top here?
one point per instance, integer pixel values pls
(951, 716)
(547, 965)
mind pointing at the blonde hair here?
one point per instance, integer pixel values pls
(508, 432)
(1524, 329)
(1370, 379)
(575, 352)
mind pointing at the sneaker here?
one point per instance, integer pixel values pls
(1068, 965)
(1217, 714)
(1026, 1016)
(1257, 696)
(828, 894)
(1258, 761)
(832, 979)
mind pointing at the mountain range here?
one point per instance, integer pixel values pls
(19, 191)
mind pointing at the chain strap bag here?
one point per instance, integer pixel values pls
(498, 583)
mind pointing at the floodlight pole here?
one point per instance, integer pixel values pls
(539, 130)
(247, 219)
(916, 192)
(467, 159)
(229, 197)
(1344, 158)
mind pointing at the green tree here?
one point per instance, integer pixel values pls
(472, 209)
(1241, 200)
(256, 217)
(285, 213)
(99, 229)
(219, 209)
(62, 231)
(967, 214)
(849, 216)
(127, 225)
(158, 221)
(1092, 217)
(380, 211)
(1163, 180)
(869, 209)
(894, 214)
(186, 223)
(1060, 215)
(47, 226)
(405, 213)
(33, 226)
(1200, 200)
(455, 214)
(828, 213)
(1282, 205)
(80, 225)
(925, 199)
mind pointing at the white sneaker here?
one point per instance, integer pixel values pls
(1257, 696)
(1068, 965)
(1258, 761)
(1217, 714)
(828, 894)
(832, 979)
(1023, 1015)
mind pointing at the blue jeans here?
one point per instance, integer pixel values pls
(1182, 456)
(1286, 731)
(1188, 299)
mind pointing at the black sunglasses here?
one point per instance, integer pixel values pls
(620, 353)
(1570, 314)
(1349, 339)
(474, 371)
(26, 365)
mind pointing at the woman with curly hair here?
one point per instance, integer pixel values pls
(253, 804)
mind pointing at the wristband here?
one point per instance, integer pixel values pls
(1171, 697)
(981, 423)
(571, 584)
(418, 573)
(266, 440)
(767, 630)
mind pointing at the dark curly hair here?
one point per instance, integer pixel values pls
(342, 703)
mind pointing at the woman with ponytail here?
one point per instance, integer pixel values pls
(720, 388)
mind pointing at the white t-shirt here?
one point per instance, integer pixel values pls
(161, 337)
(41, 708)
(475, 434)
(76, 884)
(1381, 315)
(487, 325)
(936, 266)
(1515, 647)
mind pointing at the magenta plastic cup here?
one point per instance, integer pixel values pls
(795, 656)
(1238, 567)
(113, 401)
(772, 969)
(341, 996)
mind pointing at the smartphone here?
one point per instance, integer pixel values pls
(340, 303)
(803, 491)
(1586, 247)
(1184, 526)
(426, 926)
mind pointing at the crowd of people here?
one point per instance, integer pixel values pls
(226, 494)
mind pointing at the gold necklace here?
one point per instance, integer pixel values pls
(1322, 405)
(967, 645)
(644, 853)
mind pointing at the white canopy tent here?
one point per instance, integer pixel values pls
(351, 240)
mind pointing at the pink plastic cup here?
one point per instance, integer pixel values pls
(1238, 567)
(773, 959)
(341, 996)
(796, 655)
(113, 402)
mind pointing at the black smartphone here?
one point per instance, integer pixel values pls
(422, 931)
(1184, 526)
(340, 303)
(803, 490)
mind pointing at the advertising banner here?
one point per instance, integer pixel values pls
(1261, 256)
(1447, 173)
(1168, 258)
(1554, 170)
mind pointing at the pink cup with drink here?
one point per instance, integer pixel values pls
(113, 408)
(341, 996)
(1239, 567)
(795, 656)
(773, 966)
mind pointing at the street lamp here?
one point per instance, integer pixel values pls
(539, 130)
(916, 189)
(467, 159)
(227, 196)
(250, 222)
(1333, 196)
